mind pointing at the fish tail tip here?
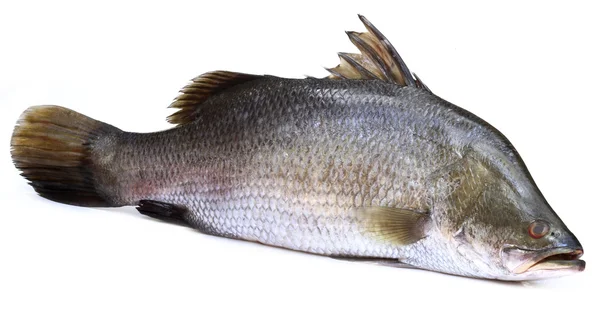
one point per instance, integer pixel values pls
(50, 145)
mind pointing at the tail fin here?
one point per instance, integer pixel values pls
(51, 146)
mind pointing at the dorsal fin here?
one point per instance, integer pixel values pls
(193, 96)
(378, 60)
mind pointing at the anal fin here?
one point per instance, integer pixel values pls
(163, 211)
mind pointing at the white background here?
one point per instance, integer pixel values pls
(530, 69)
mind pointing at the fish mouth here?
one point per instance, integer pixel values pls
(521, 261)
(559, 260)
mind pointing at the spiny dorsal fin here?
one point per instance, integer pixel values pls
(193, 96)
(378, 60)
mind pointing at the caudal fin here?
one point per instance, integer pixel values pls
(51, 145)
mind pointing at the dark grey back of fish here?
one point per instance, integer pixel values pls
(290, 162)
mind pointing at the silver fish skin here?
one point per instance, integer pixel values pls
(356, 169)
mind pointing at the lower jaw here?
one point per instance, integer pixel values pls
(521, 261)
(541, 264)
(558, 265)
(550, 269)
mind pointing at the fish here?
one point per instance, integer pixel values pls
(366, 164)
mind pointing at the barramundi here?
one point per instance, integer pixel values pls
(366, 164)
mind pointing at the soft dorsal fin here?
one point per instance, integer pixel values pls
(378, 60)
(194, 95)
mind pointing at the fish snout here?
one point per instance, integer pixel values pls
(568, 240)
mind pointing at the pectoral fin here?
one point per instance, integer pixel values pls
(399, 226)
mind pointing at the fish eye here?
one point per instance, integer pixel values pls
(538, 229)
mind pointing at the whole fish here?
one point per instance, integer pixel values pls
(366, 164)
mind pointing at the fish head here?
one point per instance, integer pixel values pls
(502, 230)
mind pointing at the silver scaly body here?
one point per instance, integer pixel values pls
(292, 171)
